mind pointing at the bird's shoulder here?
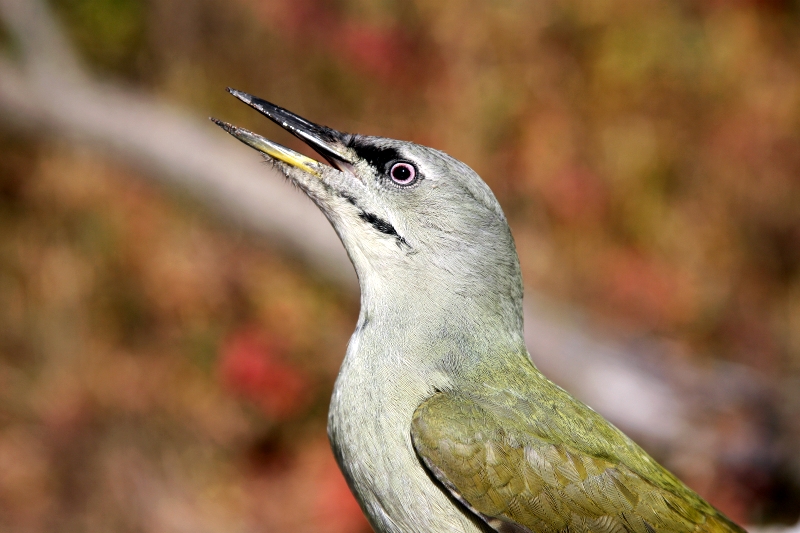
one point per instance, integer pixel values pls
(526, 456)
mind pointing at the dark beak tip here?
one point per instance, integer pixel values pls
(320, 138)
(224, 125)
(243, 96)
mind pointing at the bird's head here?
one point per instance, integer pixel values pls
(416, 223)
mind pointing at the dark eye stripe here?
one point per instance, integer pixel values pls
(378, 158)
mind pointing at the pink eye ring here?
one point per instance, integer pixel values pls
(403, 173)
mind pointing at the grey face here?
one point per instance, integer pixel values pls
(407, 214)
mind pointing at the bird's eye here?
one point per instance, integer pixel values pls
(403, 173)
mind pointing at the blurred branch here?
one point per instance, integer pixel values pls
(45, 50)
(777, 529)
(47, 90)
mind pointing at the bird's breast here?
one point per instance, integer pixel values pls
(369, 426)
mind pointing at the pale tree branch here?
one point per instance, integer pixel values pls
(45, 50)
(170, 145)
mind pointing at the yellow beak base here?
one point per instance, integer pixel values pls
(272, 149)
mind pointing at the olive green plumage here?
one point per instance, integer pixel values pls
(525, 453)
(437, 383)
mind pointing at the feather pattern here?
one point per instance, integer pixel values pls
(527, 457)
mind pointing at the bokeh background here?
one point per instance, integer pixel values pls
(165, 369)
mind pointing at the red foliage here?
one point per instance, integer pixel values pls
(383, 52)
(576, 196)
(645, 288)
(252, 367)
(335, 507)
(371, 50)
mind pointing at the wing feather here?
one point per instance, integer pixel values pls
(536, 481)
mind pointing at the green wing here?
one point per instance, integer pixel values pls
(547, 463)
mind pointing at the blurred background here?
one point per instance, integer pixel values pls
(169, 338)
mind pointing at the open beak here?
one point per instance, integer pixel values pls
(327, 142)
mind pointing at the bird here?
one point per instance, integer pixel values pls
(439, 419)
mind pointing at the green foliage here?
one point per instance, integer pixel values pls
(110, 34)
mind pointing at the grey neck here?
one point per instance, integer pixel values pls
(439, 324)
